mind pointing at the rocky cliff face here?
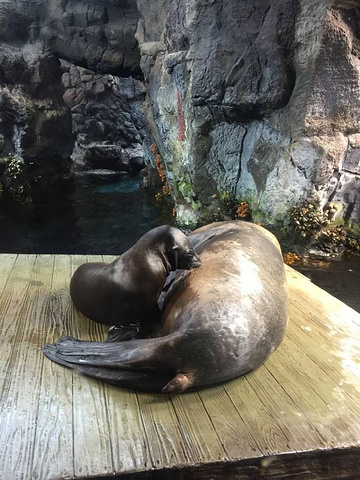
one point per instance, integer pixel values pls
(256, 98)
(38, 110)
(35, 129)
(253, 100)
(107, 117)
(96, 34)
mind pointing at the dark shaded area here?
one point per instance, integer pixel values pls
(341, 463)
(92, 216)
(340, 278)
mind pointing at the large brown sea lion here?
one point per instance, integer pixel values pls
(123, 293)
(219, 321)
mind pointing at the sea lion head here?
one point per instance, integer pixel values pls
(179, 251)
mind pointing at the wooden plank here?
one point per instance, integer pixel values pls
(324, 410)
(237, 440)
(304, 398)
(92, 445)
(325, 308)
(130, 447)
(340, 362)
(53, 451)
(23, 365)
(269, 414)
(277, 403)
(12, 296)
(11, 305)
(109, 258)
(162, 430)
(7, 264)
(197, 429)
(339, 338)
(341, 464)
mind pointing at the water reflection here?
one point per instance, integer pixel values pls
(93, 215)
(340, 278)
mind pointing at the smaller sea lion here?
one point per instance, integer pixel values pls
(124, 293)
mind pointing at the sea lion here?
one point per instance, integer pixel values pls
(123, 293)
(219, 321)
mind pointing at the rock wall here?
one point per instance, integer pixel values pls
(35, 129)
(256, 98)
(107, 118)
(96, 34)
(36, 138)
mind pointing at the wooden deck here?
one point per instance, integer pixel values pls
(297, 416)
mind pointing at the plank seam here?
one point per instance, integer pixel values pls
(212, 423)
(310, 425)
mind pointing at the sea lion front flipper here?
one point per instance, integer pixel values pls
(123, 333)
(179, 383)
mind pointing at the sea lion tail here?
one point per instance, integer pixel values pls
(179, 383)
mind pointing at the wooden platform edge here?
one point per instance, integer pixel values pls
(333, 464)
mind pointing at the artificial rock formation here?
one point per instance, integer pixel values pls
(257, 98)
(107, 117)
(96, 34)
(36, 138)
(35, 129)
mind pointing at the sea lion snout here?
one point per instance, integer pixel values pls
(179, 251)
(191, 260)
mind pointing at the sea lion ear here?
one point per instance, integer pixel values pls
(172, 255)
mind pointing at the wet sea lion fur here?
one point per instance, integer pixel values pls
(219, 321)
(124, 293)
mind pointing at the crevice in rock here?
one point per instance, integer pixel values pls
(350, 209)
(240, 159)
(299, 168)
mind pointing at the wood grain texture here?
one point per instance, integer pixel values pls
(339, 464)
(92, 444)
(280, 421)
(53, 451)
(23, 365)
(198, 429)
(7, 264)
(162, 430)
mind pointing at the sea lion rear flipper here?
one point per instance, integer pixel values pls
(133, 354)
(179, 383)
(133, 364)
(144, 381)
